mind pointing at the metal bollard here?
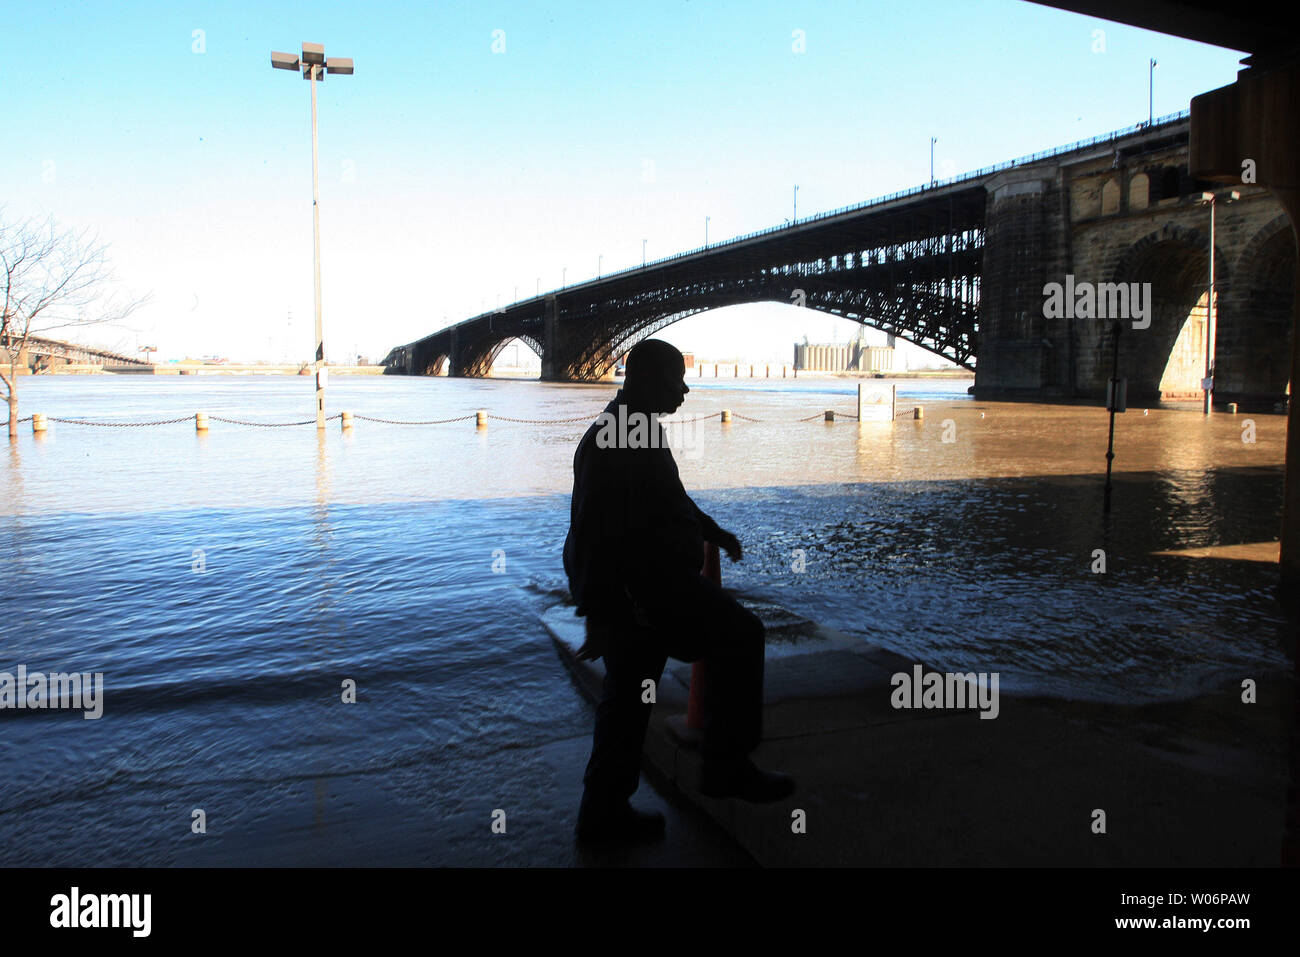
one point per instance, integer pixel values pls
(918, 412)
(480, 419)
(38, 423)
(726, 415)
(200, 422)
(830, 415)
(1232, 408)
(345, 419)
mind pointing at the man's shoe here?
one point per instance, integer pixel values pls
(742, 779)
(619, 823)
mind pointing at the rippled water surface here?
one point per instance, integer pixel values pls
(225, 584)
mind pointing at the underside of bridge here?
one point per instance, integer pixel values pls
(910, 269)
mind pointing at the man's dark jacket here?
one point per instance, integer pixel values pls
(632, 527)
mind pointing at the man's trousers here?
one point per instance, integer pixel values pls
(689, 619)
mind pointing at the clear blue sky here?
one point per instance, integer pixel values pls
(452, 174)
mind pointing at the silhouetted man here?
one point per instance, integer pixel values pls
(633, 557)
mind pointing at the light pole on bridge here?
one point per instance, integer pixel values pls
(643, 253)
(794, 210)
(314, 67)
(1151, 92)
(706, 229)
(1207, 384)
(933, 140)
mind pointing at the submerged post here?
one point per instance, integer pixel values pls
(1114, 403)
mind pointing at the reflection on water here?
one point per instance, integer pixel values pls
(369, 556)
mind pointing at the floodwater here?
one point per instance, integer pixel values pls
(227, 584)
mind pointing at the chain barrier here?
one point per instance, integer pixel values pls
(367, 418)
(117, 425)
(267, 425)
(698, 418)
(458, 418)
(505, 418)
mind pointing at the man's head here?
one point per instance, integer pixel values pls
(655, 376)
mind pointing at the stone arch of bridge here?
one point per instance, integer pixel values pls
(1166, 359)
(1253, 341)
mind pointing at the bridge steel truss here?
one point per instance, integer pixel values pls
(16, 346)
(908, 267)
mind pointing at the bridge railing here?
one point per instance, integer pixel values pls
(938, 184)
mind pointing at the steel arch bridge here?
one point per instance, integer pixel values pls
(908, 265)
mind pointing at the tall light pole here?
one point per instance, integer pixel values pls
(539, 286)
(599, 260)
(1208, 383)
(933, 140)
(706, 229)
(314, 67)
(643, 254)
(1151, 93)
(563, 273)
(794, 206)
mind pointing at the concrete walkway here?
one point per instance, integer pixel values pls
(1192, 783)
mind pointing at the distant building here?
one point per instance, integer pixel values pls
(854, 356)
(690, 359)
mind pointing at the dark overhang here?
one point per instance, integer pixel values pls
(1233, 25)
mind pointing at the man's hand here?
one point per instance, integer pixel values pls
(730, 544)
(596, 643)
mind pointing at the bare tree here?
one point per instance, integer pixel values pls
(50, 278)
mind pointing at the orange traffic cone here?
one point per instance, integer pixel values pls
(712, 570)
